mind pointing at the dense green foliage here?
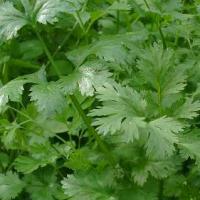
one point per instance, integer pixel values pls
(99, 100)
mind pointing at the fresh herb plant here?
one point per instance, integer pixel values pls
(99, 100)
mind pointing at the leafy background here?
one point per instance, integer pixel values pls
(99, 100)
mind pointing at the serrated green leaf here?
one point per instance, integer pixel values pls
(158, 169)
(26, 164)
(10, 185)
(109, 48)
(48, 10)
(158, 69)
(11, 20)
(42, 184)
(123, 110)
(87, 79)
(188, 110)
(174, 185)
(121, 5)
(189, 146)
(162, 137)
(48, 98)
(11, 91)
(89, 187)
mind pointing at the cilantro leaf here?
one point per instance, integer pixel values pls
(189, 146)
(90, 186)
(87, 78)
(11, 20)
(158, 69)
(48, 98)
(48, 10)
(42, 184)
(10, 185)
(188, 110)
(123, 110)
(162, 137)
(27, 165)
(11, 91)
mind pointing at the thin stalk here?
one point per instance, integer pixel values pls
(160, 195)
(162, 37)
(22, 64)
(64, 141)
(93, 21)
(5, 73)
(64, 41)
(91, 130)
(147, 5)
(159, 98)
(21, 113)
(60, 153)
(77, 105)
(118, 20)
(48, 53)
(80, 21)
(25, 122)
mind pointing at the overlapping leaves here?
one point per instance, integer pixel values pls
(12, 19)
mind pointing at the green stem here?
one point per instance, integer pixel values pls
(80, 21)
(22, 63)
(21, 113)
(77, 105)
(160, 195)
(162, 37)
(60, 153)
(159, 98)
(64, 41)
(48, 53)
(5, 73)
(91, 130)
(147, 5)
(118, 19)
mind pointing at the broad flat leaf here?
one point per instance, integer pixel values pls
(37, 77)
(139, 193)
(40, 156)
(158, 69)
(87, 78)
(188, 110)
(162, 137)
(31, 49)
(4, 160)
(72, 6)
(89, 186)
(189, 146)
(174, 185)
(52, 126)
(175, 82)
(69, 83)
(48, 10)
(92, 78)
(10, 186)
(168, 7)
(11, 91)
(108, 48)
(78, 160)
(26, 164)
(158, 169)
(10, 135)
(42, 184)
(121, 5)
(11, 20)
(48, 98)
(123, 110)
